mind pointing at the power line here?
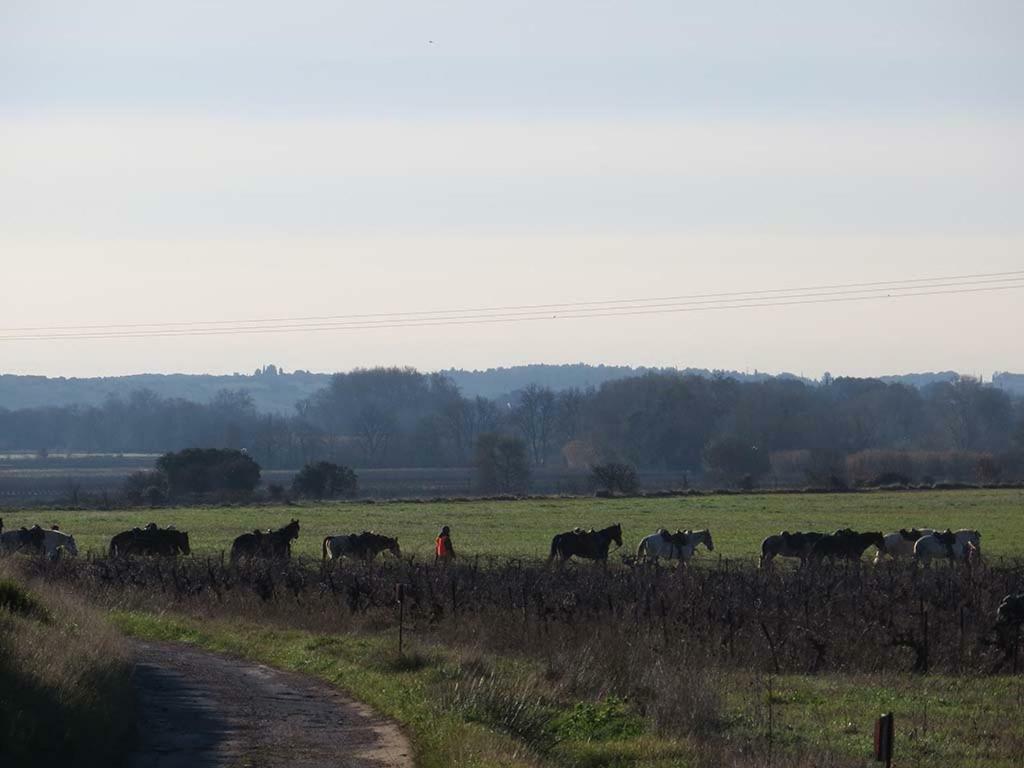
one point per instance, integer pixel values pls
(579, 313)
(527, 309)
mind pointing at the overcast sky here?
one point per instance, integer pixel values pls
(207, 161)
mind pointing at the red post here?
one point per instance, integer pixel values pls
(884, 731)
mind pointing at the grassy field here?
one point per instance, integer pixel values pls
(524, 528)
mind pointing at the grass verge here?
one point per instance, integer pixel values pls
(467, 710)
(460, 712)
(65, 688)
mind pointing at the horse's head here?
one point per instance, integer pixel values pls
(293, 529)
(181, 542)
(70, 546)
(393, 547)
(708, 542)
(616, 534)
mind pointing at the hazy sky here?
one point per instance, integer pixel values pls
(205, 161)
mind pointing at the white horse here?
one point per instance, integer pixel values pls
(56, 542)
(901, 543)
(956, 546)
(693, 538)
(659, 544)
(673, 546)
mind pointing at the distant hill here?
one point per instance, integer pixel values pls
(496, 382)
(920, 380)
(274, 391)
(271, 391)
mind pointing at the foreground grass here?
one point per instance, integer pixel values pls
(940, 720)
(471, 711)
(421, 692)
(65, 690)
(524, 528)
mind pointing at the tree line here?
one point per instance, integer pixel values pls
(717, 428)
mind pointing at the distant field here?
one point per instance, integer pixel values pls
(524, 528)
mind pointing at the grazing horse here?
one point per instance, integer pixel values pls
(970, 536)
(56, 542)
(845, 545)
(150, 540)
(363, 546)
(661, 543)
(690, 541)
(788, 544)
(592, 545)
(900, 543)
(31, 540)
(273, 544)
(953, 546)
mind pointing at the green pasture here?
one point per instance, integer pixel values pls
(524, 528)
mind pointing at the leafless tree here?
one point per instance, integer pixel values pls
(535, 418)
(373, 429)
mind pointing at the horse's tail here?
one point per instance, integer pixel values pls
(326, 539)
(641, 551)
(554, 547)
(766, 553)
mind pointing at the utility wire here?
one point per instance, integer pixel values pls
(577, 313)
(526, 309)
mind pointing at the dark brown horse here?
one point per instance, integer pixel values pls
(845, 545)
(23, 539)
(592, 545)
(272, 544)
(151, 540)
(362, 546)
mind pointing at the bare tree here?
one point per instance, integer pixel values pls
(373, 428)
(535, 418)
(570, 414)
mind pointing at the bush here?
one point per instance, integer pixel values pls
(501, 464)
(154, 496)
(149, 487)
(209, 470)
(733, 459)
(614, 477)
(324, 480)
(16, 600)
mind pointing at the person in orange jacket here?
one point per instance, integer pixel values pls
(443, 549)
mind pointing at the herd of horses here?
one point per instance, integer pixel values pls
(922, 544)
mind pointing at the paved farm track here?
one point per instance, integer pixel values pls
(202, 710)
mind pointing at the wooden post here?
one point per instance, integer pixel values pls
(400, 597)
(884, 732)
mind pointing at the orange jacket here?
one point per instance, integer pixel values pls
(443, 546)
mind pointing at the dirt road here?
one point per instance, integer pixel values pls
(202, 710)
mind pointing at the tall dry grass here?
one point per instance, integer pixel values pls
(65, 688)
